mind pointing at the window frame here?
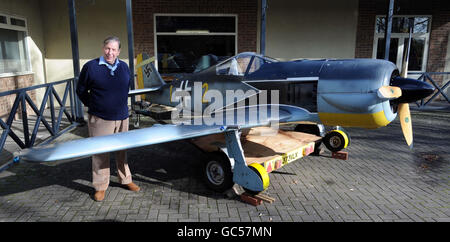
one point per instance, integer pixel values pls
(401, 40)
(193, 33)
(226, 64)
(26, 51)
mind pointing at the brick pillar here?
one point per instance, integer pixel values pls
(12, 83)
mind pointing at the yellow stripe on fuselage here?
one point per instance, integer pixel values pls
(140, 75)
(367, 120)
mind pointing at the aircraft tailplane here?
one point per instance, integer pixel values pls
(148, 78)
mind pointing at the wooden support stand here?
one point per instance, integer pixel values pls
(250, 199)
(265, 198)
(257, 199)
(342, 155)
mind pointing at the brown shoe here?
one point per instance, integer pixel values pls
(132, 187)
(99, 196)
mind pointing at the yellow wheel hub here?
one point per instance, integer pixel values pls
(343, 135)
(262, 174)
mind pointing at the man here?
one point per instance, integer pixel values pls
(103, 87)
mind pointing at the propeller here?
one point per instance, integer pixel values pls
(401, 92)
(411, 90)
(403, 107)
(405, 123)
(389, 92)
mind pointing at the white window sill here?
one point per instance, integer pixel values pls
(16, 74)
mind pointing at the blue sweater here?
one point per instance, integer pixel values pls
(105, 95)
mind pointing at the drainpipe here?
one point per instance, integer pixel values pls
(388, 29)
(263, 27)
(130, 46)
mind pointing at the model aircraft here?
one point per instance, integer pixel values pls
(233, 95)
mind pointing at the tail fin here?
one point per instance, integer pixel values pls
(147, 75)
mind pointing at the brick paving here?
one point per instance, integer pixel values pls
(381, 181)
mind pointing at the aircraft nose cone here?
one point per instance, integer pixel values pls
(412, 89)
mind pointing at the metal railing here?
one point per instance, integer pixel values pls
(53, 125)
(426, 76)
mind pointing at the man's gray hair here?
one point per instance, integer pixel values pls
(111, 39)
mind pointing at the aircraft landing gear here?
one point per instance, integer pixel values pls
(142, 105)
(136, 123)
(336, 140)
(224, 168)
(217, 172)
(263, 175)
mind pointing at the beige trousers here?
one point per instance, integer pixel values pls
(101, 162)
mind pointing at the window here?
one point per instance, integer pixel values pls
(191, 43)
(14, 56)
(242, 64)
(399, 40)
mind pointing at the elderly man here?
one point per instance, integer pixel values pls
(103, 87)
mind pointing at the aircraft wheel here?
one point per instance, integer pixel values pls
(348, 135)
(336, 140)
(263, 175)
(217, 172)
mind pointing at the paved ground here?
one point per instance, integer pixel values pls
(382, 181)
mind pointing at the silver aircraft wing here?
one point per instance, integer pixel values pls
(156, 134)
(142, 91)
(101, 144)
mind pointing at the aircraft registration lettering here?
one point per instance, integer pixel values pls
(184, 86)
(183, 99)
(206, 87)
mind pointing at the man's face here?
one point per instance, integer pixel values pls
(111, 51)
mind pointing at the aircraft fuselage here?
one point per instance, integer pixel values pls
(341, 92)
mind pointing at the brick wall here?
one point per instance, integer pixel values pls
(143, 11)
(12, 83)
(440, 26)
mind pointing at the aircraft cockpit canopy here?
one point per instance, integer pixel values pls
(243, 64)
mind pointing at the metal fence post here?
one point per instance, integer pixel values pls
(79, 116)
